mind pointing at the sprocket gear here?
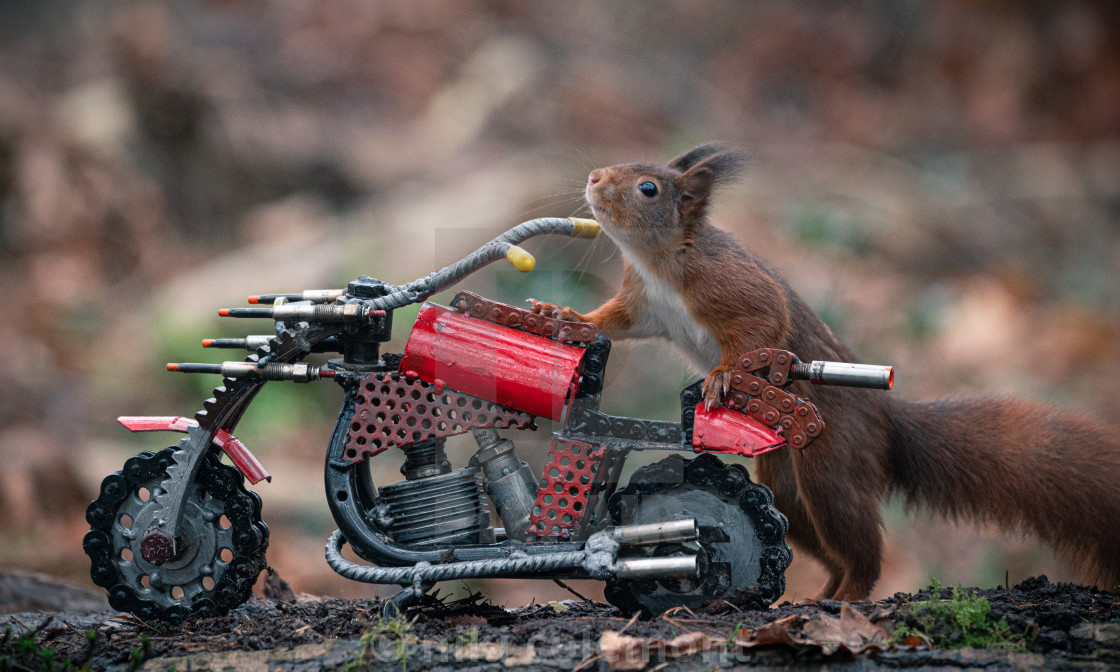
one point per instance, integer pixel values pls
(223, 411)
(742, 549)
(223, 541)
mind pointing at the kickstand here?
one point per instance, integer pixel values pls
(397, 604)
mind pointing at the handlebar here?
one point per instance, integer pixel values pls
(504, 245)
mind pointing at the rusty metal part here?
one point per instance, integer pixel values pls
(565, 486)
(807, 416)
(393, 410)
(779, 362)
(762, 398)
(506, 315)
(156, 547)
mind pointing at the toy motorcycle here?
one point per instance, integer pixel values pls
(176, 534)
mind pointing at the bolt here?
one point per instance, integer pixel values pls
(157, 547)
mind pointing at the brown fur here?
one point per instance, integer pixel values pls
(1024, 466)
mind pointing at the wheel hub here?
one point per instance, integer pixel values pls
(191, 571)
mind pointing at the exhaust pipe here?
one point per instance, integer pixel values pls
(684, 566)
(668, 532)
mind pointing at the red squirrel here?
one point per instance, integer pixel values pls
(1023, 466)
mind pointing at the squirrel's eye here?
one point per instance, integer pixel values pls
(648, 189)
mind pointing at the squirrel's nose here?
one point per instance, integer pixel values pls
(594, 177)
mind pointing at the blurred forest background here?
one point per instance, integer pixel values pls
(940, 181)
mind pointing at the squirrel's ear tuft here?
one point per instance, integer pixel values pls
(701, 178)
(695, 156)
(713, 165)
(726, 166)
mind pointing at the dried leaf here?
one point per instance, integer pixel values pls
(684, 645)
(623, 652)
(633, 653)
(777, 632)
(851, 631)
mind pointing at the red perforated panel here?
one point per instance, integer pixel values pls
(565, 485)
(394, 410)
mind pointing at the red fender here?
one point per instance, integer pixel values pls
(244, 460)
(724, 430)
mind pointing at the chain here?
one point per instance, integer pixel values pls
(506, 315)
(765, 401)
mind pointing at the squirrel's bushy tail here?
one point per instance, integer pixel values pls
(1022, 465)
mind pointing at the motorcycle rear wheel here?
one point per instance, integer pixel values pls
(742, 550)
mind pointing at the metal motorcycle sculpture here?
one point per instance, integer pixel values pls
(176, 535)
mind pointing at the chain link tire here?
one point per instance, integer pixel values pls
(224, 541)
(742, 551)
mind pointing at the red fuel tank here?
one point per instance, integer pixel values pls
(514, 368)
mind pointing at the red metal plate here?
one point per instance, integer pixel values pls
(393, 411)
(238, 453)
(565, 485)
(508, 366)
(724, 430)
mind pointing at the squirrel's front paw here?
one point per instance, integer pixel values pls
(553, 310)
(716, 385)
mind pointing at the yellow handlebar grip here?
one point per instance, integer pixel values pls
(585, 228)
(521, 259)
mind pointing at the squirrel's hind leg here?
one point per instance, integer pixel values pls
(775, 470)
(846, 517)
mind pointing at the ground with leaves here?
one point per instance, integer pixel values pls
(1034, 624)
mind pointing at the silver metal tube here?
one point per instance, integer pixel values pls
(321, 295)
(317, 312)
(510, 483)
(849, 375)
(648, 568)
(310, 312)
(671, 531)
